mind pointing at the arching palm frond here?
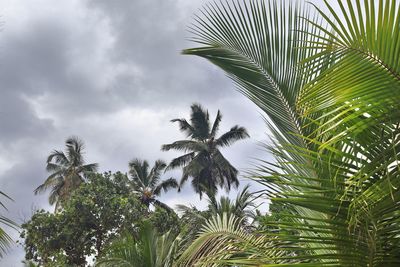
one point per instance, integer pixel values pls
(185, 145)
(156, 171)
(150, 249)
(222, 240)
(215, 127)
(75, 148)
(235, 133)
(200, 121)
(185, 127)
(165, 186)
(181, 161)
(5, 239)
(329, 85)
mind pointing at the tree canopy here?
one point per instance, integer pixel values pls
(203, 161)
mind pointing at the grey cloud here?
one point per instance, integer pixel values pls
(152, 38)
(112, 74)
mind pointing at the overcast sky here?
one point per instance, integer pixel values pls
(111, 73)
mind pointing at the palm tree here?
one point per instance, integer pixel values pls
(241, 207)
(67, 171)
(203, 160)
(329, 83)
(148, 250)
(147, 183)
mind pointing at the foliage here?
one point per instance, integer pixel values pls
(203, 161)
(96, 212)
(165, 221)
(328, 83)
(221, 241)
(147, 183)
(5, 239)
(242, 207)
(192, 220)
(149, 249)
(67, 171)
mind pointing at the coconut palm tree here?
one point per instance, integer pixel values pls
(147, 183)
(203, 161)
(328, 83)
(67, 171)
(242, 207)
(148, 250)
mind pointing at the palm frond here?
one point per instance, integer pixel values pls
(221, 240)
(235, 133)
(185, 145)
(185, 127)
(331, 96)
(215, 126)
(181, 161)
(165, 185)
(199, 120)
(155, 172)
(254, 43)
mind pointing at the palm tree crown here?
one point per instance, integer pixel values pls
(150, 249)
(203, 160)
(242, 207)
(67, 171)
(147, 183)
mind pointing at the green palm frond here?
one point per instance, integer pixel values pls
(75, 146)
(330, 94)
(185, 127)
(234, 134)
(200, 121)
(222, 240)
(185, 146)
(165, 186)
(181, 161)
(150, 249)
(5, 239)
(215, 127)
(156, 171)
(254, 43)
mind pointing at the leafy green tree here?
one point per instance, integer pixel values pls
(149, 249)
(95, 213)
(165, 221)
(203, 161)
(147, 183)
(328, 82)
(67, 172)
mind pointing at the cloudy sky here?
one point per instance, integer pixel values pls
(111, 73)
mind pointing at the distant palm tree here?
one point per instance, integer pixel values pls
(148, 250)
(147, 183)
(203, 161)
(242, 207)
(68, 170)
